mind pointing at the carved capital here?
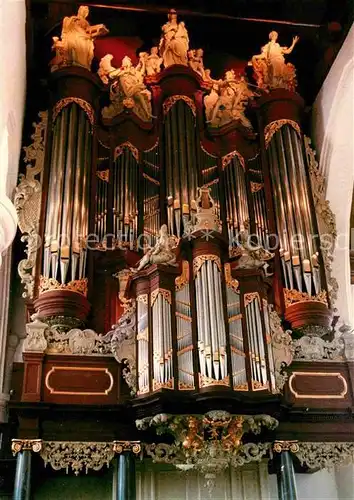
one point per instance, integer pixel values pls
(127, 446)
(280, 446)
(19, 445)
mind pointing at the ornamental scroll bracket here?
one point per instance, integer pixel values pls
(282, 348)
(325, 218)
(27, 201)
(208, 443)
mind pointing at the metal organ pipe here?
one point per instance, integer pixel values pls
(66, 225)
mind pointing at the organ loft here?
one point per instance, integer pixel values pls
(176, 270)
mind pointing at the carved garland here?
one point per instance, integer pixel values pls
(325, 218)
(227, 159)
(27, 200)
(273, 127)
(168, 103)
(88, 109)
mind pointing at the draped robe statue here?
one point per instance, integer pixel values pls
(174, 42)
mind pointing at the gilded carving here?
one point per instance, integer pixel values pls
(256, 186)
(183, 280)
(325, 455)
(166, 294)
(207, 443)
(120, 149)
(103, 175)
(227, 159)
(76, 455)
(199, 261)
(27, 201)
(18, 445)
(170, 101)
(60, 105)
(273, 127)
(229, 280)
(294, 297)
(50, 284)
(124, 446)
(325, 218)
(279, 446)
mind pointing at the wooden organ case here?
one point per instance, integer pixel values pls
(171, 277)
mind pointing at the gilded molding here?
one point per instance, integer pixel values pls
(50, 284)
(27, 201)
(325, 217)
(120, 150)
(201, 259)
(229, 280)
(60, 105)
(205, 381)
(251, 297)
(166, 294)
(294, 296)
(227, 159)
(338, 375)
(182, 280)
(273, 127)
(18, 445)
(73, 369)
(170, 101)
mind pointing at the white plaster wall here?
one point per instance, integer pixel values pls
(333, 133)
(318, 486)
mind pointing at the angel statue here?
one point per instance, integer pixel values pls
(271, 70)
(153, 62)
(174, 41)
(128, 89)
(76, 46)
(161, 253)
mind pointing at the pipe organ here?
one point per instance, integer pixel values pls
(172, 184)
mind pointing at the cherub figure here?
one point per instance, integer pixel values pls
(105, 68)
(195, 61)
(253, 256)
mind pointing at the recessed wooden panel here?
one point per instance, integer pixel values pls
(70, 380)
(318, 385)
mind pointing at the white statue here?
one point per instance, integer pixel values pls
(161, 253)
(271, 70)
(227, 101)
(105, 68)
(129, 91)
(153, 62)
(174, 41)
(76, 46)
(253, 256)
(195, 61)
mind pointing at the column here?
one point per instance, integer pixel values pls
(23, 476)
(286, 477)
(124, 477)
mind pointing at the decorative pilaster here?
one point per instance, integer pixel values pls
(23, 449)
(285, 469)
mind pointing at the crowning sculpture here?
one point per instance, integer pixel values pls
(174, 41)
(128, 90)
(270, 69)
(76, 46)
